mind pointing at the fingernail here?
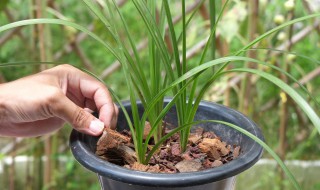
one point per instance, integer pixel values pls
(96, 126)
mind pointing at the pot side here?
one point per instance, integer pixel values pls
(114, 177)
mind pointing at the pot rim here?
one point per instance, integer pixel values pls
(89, 160)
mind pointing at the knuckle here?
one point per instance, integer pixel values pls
(54, 100)
(65, 66)
(80, 118)
(54, 96)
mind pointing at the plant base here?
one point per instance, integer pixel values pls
(114, 177)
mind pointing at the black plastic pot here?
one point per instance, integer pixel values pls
(113, 177)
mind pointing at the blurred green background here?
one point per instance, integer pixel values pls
(46, 162)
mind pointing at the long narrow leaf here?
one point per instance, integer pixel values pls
(314, 118)
(61, 22)
(288, 74)
(172, 36)
(312, 60)
(26, 63)
(259, 38)
(139, 74)
(100, 15)
(156, 35)
(217, 74)
(203, 55)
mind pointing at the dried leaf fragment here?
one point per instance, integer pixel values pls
(110, 139)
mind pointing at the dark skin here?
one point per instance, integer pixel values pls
(39, 104)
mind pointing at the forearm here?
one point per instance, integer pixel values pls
(15, 114)
(3, 110)
(4, 124)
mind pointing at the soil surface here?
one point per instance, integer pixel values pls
(204, 150)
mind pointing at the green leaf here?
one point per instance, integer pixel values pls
(26, 63)
(93, 7)
(314, 118)
(268, 33)
(3, 4)
(2, 156)
(155, 33)
(65, 23)
(314, 61)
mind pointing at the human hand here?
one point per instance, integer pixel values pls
(41, 103)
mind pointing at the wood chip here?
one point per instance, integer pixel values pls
(211, 151)
(207, 163)
(110, 139)
(129, 156)
(216, 163)
(139, 167)
(175, 150)
(199, 131)
(147, 129)
(154, 169)
(187, 156)
(194, 138)
(217, 144)
(209, 134)
(236, 152)
(188, 166)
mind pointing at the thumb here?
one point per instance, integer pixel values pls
(80, 119)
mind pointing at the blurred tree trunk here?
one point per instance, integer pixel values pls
(284, 107)
(44, 46)
(224, 46)
(246, 87)
(12, 174)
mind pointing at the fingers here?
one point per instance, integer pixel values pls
(90, 104)
(105, 106)
(104, 113)
(86, 91)
(94, 94)
(115, 117)
(80, 119)
(108, 111)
